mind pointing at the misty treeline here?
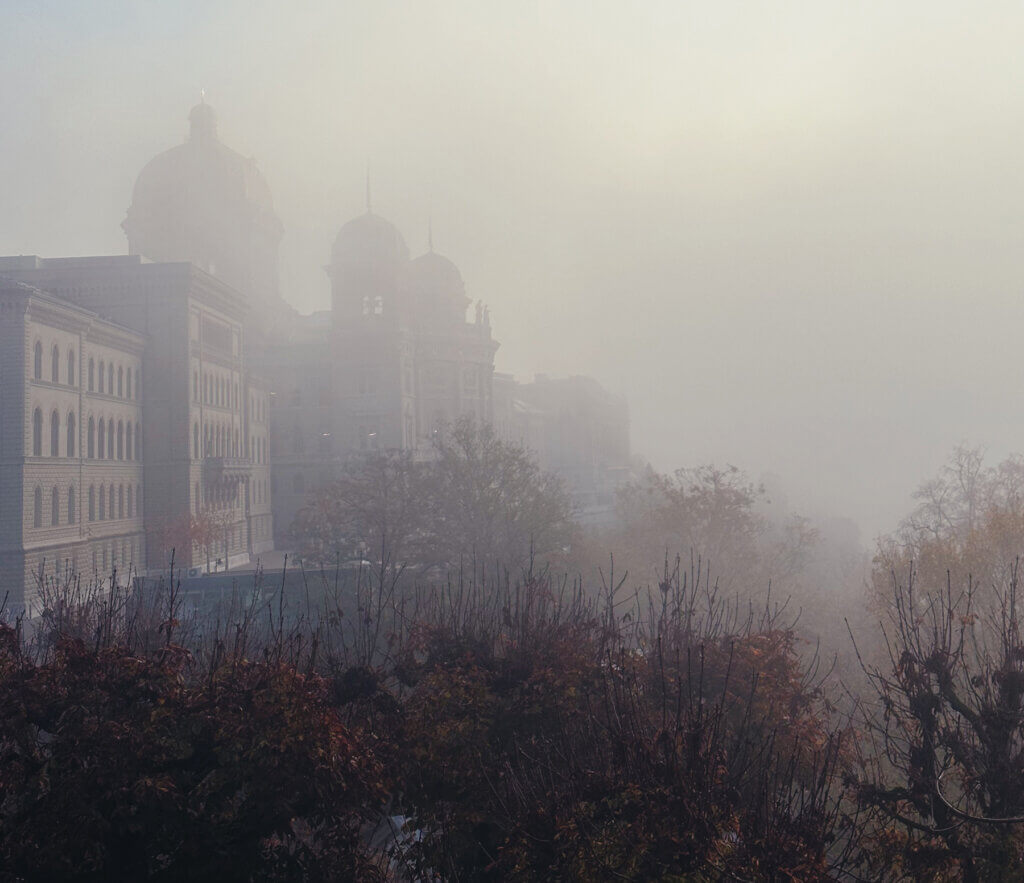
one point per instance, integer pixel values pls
(427, 715)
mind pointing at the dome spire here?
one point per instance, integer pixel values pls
(369, 201)
(430, 234)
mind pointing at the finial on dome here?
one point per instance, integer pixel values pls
(369, 202)
(430, 234)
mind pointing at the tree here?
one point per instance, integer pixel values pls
(942, 760)
(375, 510)
(118, 765)
(969, 522)
(477, 498)
(490, 502)
(712, 512)
(556, 742)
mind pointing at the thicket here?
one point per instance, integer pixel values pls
(487, 727)
(470, 731)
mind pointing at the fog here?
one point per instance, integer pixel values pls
(789, 233)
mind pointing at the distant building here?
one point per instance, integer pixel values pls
(391, 364)
(576, 429)
(145, 396)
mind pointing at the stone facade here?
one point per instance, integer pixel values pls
(71, 443)
(204, 415)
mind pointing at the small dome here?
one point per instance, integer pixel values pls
(369, 239)
(437, 287)
(434, 274)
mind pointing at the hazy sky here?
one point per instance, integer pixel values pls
(790, 232)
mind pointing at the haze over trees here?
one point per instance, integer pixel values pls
(548, 724)
(478, 501)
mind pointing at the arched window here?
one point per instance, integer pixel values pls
(55, 364)
(92, 502)
(120, 501)
(128, 383)
(110, 438)
(72, 515)
(102, 375)
(37, 433)
(37, 361)
(54, 507)
(195, 441)
(71, 434)
(120, 440)
(110, 500)
(37, 507)
(103, 502)
(138, 442)
(71, 367)
(54, 434)
(206, 389)
(130, 512)
(138, 384)
(110, 378)
(128, 452)
(120, 382)
(92, 373)
(195, 386)
(101, 439)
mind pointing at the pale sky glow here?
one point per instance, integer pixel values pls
(790, 233)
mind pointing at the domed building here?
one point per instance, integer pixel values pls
(206, 204)
(407, 361)
(387, 368)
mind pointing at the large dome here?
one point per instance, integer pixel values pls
(204, 203)
(369, 239)
(200, 166)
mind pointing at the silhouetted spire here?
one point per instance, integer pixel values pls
(430, 234)
(369, 201)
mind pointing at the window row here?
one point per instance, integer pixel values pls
(106, 381)
(37, 364)
(218, 441)
(217, 391)
(124, 502)
(103, 439)
(109, 379)
(219, 496)
(258, 409)
(130, 553)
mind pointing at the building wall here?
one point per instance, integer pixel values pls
(50, 466)
(191, 378)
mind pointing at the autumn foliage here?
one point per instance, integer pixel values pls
(523, 730)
